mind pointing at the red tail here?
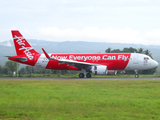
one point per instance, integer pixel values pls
(22, 46)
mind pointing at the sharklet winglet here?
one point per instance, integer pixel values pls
(47, 56)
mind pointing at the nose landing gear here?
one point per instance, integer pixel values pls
(136, 74)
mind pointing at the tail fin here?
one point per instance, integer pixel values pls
(22, 46)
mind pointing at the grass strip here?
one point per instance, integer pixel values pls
(68, 99)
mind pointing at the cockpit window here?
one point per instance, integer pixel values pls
(146, 58)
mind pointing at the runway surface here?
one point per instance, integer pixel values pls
(42, 78)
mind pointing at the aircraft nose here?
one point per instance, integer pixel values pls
(155, 64)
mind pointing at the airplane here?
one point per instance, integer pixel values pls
(98, 64)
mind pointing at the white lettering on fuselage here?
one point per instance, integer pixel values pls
(122, 57)
(26, 51)
(85, 58)
(106, 57)
(59, 57)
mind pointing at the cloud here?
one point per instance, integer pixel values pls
(90, 34)
(94, 34)
(7, 44)
(154, 34)
(122, 21)
(153, 37)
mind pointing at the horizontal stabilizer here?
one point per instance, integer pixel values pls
(18, 58)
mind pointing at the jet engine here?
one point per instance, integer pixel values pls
(112, 72)
(99, 70)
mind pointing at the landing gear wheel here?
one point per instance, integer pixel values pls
(81, 75)
(88, 75)
(136, 76)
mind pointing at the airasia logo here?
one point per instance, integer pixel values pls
(26, 50)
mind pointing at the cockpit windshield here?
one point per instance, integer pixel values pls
(147, 58)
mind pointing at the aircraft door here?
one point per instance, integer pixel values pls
(135, 58)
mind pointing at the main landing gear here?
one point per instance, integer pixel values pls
(81, 75)
(136, 74)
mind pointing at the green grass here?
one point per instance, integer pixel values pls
(63, 100)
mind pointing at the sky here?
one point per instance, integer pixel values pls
(113, 21)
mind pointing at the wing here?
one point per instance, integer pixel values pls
(77, 64)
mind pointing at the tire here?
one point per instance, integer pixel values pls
(81, 75)
(136, 76)
(88, 75)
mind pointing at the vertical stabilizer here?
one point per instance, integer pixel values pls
(22, 46)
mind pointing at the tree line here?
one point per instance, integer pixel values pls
(129, 50)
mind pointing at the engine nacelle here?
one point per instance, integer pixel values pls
(99, 70)
(112, 72)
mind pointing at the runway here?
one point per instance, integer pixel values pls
(43, 78)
